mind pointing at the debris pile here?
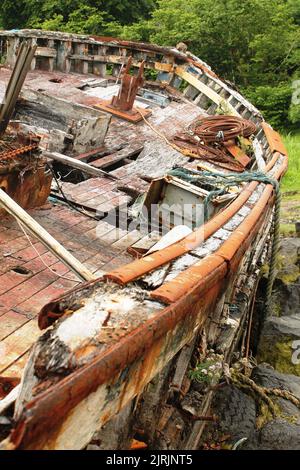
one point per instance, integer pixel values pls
(216, 138)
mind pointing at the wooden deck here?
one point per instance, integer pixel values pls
(98, 244)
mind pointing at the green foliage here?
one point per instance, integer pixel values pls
(208, 371)
(273, 101)
(200, 373)
(254, 43)
(13, 14)
(89, 16)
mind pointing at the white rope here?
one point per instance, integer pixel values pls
(40, 256)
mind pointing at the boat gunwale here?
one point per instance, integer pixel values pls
(107, 365)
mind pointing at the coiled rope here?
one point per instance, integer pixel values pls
(222, 128)
(247, 129)
(225, 181)
(207, 138)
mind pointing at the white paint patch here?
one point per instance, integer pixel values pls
(258, 151)
(87, 322)
(83, 324)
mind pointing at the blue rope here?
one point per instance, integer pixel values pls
(224, 180)
(212, 179)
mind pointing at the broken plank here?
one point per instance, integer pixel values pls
(73, 163)
(116, 157)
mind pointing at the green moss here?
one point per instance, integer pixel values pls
(279, 355)
(288, 278)
(264, 270)
(276, 309)
(265, 415)
(287, 229)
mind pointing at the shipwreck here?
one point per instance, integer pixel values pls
(139, 198)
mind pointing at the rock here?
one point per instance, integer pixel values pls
(265, 376)
(286, 297)
(286, 290)
(236, 412)
(279, 342)
(287, 287)
(289, 251)
(276, 435)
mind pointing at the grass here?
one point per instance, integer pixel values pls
(291, 180)
(290, 186)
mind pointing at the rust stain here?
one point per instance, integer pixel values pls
(44, 415)
(22, 174)
(216, 266)
(238, 154)
(142, 266)
(137, 445)
(274, 140)
(7, 384)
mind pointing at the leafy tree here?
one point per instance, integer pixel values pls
(253, 43)
(13, 14)
(274, 103)
(41, 13)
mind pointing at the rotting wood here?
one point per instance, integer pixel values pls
(24, 58)
(139, 348)
(74, 163)
(182, 364)
(142, 266)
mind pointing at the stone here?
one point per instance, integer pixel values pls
(279, 341)
(276, 435)
(236, 412)
(265, 376)
(286, 291)
(290, 250)
(286, 296)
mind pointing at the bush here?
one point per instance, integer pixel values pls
(274, 102)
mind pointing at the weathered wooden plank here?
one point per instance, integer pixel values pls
(192, 80)
(37, 230)
(46, 52)
(18, 343)
(17, 367)
(9, 322)
(75, 163)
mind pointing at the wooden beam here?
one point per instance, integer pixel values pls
(206, 90)
(74, 163)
